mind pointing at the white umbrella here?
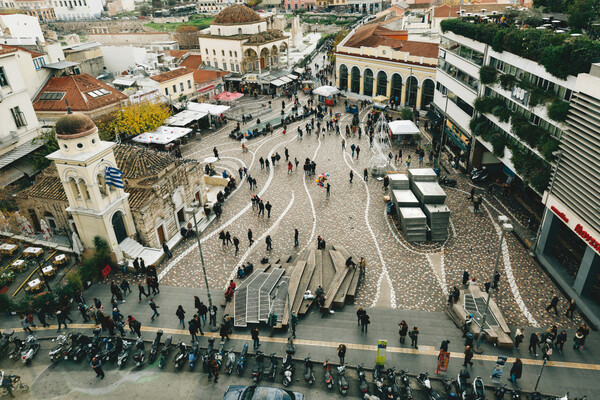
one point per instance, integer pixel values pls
(210, 160)
(77, 245)
(326, 91)
(47, 234)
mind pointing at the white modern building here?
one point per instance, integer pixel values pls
(19, 123)
(77, 10)
(216, 6)
(17, 26)
(43, 10)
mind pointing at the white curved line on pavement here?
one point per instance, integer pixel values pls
(384, 272)
(264, 235)
(312, 206)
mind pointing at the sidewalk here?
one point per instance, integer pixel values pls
(577, 373)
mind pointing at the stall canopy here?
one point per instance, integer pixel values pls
(285, 79)
(185, 117)
(162, 135)
(326, 91)
(299, 70)
(212, 109)
(277, 82)
(405, 127)
(228, 96)
(292, 77)
(380, 99)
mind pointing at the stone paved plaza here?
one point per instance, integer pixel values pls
(399, 274)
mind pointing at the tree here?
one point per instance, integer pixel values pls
(157, 4)
(145, 9)
(133, 120)
(253, 3)
(581, 12)
(187, 37)
(50, 145)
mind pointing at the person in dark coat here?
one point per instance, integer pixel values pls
(193, 329)
(534, 340)
(359, 313)
(468, 356)
(516, 370)
(553, 304)
(97, 366)
(403, 331)
(571, 309)
(465, 278)
(250, 237)
(342, 353)
(166, 249)
(365, 320)
(181, 315)
(444, 345)
(224, 332)
(414, 337)
(141, 292)
(202, 311)
(42, 317)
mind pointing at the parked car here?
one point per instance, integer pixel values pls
(236, 392)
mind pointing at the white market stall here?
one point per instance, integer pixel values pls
(327, 94)
(211, 109)
(403, 130)
(185, 117)
(162, 135)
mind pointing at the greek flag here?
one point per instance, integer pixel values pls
(113, 177)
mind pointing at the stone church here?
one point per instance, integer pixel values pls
(72, 194)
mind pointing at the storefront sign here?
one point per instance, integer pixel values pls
(587, 237)
(381, 349)
(560, 214)
(499, 367)
(520, 95)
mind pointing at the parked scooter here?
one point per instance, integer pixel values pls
(79, 352)
(182, 356)
(514, 394)
(220, 354)
(110, 349)
(155, 347)
(462, 384)
(342, 381)
(5, 340)
(272, 371)
(208, 356)
(58, 351)
(392, 390)
(288, 370)
(257, 371)
(408, 395)
(449, 388)
(499, 392)
(241, 362)
(478, 389)
(73, 342)
(193, 354)
(423, 379)
(29, 349)
(94, 346)
(124, 354)
(139, 357)
(327, 373)
(164, 353)
(309, 374)
(229, 361)
(362, 379)
(444, 180)
(14, 351)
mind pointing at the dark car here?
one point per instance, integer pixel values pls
(260, 393)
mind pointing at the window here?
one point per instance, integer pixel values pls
(237, 67)
(181, 86)
(457, 74)
(98, 93)
(102, 184)
(208, 63)
(3, 78)
(189, 84)
(52, 96)
(166, 91)
(235, 53)
(216, 64)
(206, 51)
(174, 88)
(18, 116)
(232, 67)
(223, 52)
(214, 52)
(229, 53)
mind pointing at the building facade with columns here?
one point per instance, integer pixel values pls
(373, 60)
(242, 41)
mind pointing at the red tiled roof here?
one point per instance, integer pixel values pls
(77, 89)
(193, 61)
(202, 76)
(446, 11)
(34, 54)
(177, 53)
(4, 49)
(167, 76)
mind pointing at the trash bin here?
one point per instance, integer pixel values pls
(469, 339)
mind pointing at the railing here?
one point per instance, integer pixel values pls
(8, 140)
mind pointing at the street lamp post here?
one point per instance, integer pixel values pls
(194, 205)
(290, 347)
(539, 231)
(446, 96)
(506, 227)
(540, 375)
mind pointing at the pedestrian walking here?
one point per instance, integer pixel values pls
(228, 238)
(561, 339)
(154, 308)
(578, 341)
(547, 349)
(534, 339)
(25, 324)
(250, 237)
(181, 315)
(414, 337)
(212, 315)
(571, 309)
(403, 331)
(465, 278)
(261, 208)
(553, 304)
(236, 243)
(202, 311)
(60, 318)
(296, 234)
(97, 367)
(496, 280)
(359, 313)
(342, 353)
(472, 194)
(269, 243)
(214, 368)
(141, 291)
(224, 332)
(357, 151)
(516, 371)
(216, 153)
(125, 287)
(519, 336)
(42, 317)
(444, 345)
(351, 176)
(328, 189)
(166, 250)
(468, 356)
(366, 175)
(364, 322)
(255, 339)
(268, 208)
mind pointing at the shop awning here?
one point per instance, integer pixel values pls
(17, 170)
(285, 79)
(185, 117)
(18, 152)
(228, 96)
(162, 135)
(299, 70)
(293, 77)
(123, 82)
(433, 117)
(277, 82)
(212, 109)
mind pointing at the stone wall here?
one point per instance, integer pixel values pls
(85, 27)
(54, 207)
(140, 39)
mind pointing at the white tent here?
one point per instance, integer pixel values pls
(162, 135)
(326, 91)
(77, 245)
(185, 117)
(404, 127)
(213, 109)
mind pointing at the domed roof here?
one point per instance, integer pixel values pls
(73, 126)
(236, 14)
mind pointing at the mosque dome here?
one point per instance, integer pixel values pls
(73, 126)
(236, 14)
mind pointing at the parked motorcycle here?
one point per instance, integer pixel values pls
(462, 384)
(309, 374)
(408, 395)
(155, 349)
(57, 352)
(241, 362)
(288, 370)
(5, 340)
(327, 374)
(79, 351)
(73, 341)
(94, 345)
(478, 389)
(165, 352)
(110, 349)
(514, 394)
(362, 379)
(124, 354)
(220, 354)
(139, 356)
(449, 388)
(392, 390)
(14, 351)
(229, 361)
(29, 349)
(499, 392)
(257, 371)
(444, 180)
(181, 356)
(342, 381)
(193, 354)
(423, 379)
